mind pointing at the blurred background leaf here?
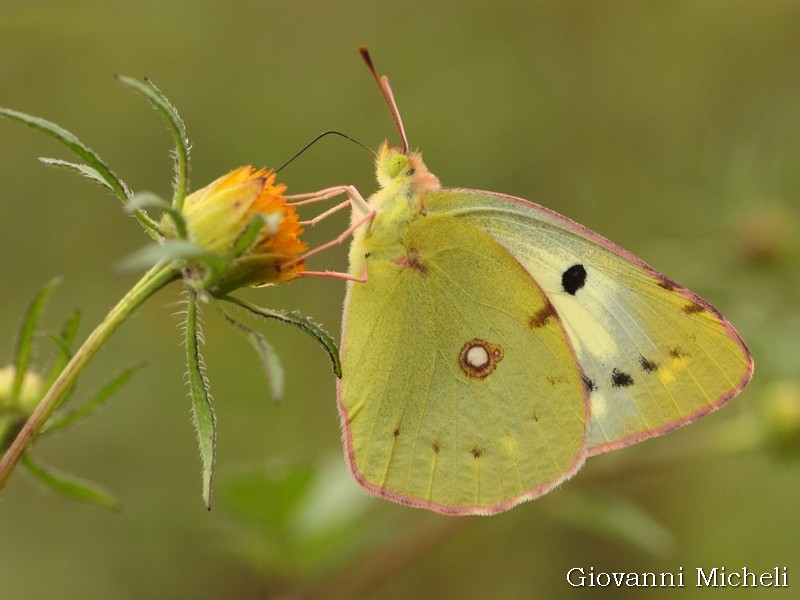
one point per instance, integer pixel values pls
(671, 128)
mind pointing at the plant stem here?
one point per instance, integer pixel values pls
(152, 281)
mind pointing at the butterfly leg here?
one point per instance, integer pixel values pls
(334, 242)
(326, 214)
(356, 201)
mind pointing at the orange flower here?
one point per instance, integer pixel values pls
(218, 215)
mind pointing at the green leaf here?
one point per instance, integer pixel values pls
(176, 127)
(298, 518)
(73, 143)
(202, 412)
(23, 349)
(269, 358)
(98, 400)
(69, 486)
(268, 496)
(297, 320)
(64, 341)
(95, 167)
(69, 330)
(81, 169)
(616, 519)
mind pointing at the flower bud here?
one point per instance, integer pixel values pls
(219, 215)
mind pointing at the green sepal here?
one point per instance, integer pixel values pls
(270, 360)
(304, 323)
(249, 236)
(152, 254)
(69, 486)
(203, 417)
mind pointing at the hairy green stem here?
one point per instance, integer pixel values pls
(152, 281)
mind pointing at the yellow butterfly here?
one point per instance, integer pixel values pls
(490, 345)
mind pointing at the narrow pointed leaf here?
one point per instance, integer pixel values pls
(73, 143)
(203, 417)
(81, 169)
(70, 486)
(109, 178)
(299, 321)
(176, 126)
(64, 340)
(269, 358)
(98, 400)
(24, 345)
(69, 330)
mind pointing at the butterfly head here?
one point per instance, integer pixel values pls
(403, 170)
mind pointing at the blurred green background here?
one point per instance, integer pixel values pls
(672, 128)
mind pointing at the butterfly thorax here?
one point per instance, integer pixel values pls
(404, 180)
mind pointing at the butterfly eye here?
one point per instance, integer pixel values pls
(397, 164)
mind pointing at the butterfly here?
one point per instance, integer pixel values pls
(490, 345)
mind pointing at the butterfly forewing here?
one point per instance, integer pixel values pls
(653, 354)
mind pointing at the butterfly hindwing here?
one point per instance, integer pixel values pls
(460, 390)
(654, 355)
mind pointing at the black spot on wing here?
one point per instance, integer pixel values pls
(396, 432)
(666, 283)
(573, 279)
(589, 383)
(692, 308)
(620, 379)
(677, 353)
(436, 447)
(648, 366)
(476, 452)
(556, 380)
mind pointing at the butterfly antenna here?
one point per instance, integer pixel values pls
(318, 138)
(386, 90)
